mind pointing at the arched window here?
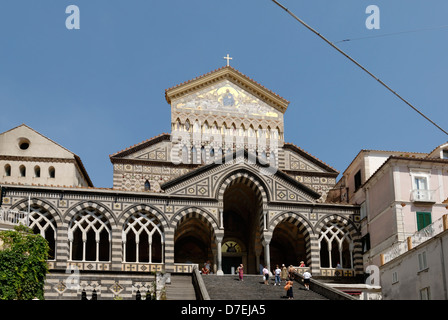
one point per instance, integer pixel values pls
(194, 155)
(177, 126)
(263, 157)
(147, 186)
(51, 172)
(224, 130)
(89, 236)
(143, 239)
(336, 247)
(185, 154)
(7, 170)
(22, 171)
(205, 130)
(203, 155)
(37, 172)
(43, 223)
(196, 126)
(242, 131)
(251, 132)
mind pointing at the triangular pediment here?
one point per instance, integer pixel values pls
(154, 149)
(23, 141)
(228, 98)
(229, 89)
(297, 159)
(207, 181)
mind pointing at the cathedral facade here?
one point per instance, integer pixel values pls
(223, 186)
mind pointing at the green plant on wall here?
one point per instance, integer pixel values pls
(23, 264)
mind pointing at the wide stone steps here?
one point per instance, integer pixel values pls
(181, 288)
(228, 287)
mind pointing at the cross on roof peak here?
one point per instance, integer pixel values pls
(228, 58)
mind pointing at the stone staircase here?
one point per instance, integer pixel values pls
(180, 288)
(228, 287)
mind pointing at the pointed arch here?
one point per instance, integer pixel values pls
(143, 236)
(44, 219)
(299, 230)
(194, 235)
(197, 212)
(247, 177)
(205, 128)
(90, 232)
(338, 241)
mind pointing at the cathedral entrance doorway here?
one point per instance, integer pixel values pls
(193, 241)
(288, 245)
(233, 254)
(241, 243)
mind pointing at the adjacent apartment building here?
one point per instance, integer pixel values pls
(401, 194)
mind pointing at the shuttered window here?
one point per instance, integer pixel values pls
(423, 220)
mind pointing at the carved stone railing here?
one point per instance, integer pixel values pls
(337, 272)
(427, 233)
(13, 217)
(184, 267)
(416, 239)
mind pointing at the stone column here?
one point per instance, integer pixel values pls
(221, 219)
(267, 237)
(219, 238)
(314, 255)
(169, 251)
(63, 247)
(117, 252)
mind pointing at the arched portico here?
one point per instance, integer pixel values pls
(194, 240)
(291, 241)
(243, 196)
(338, 245)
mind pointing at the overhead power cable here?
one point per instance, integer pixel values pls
(393, 34)
(359, 65)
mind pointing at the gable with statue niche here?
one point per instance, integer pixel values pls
(225, 103)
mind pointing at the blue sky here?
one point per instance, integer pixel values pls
(100, 89)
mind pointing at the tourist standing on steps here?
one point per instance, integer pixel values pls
(291, 271)
(306, 279)
(284, 273)
(240, 272)
(266, 275)
(277, 272)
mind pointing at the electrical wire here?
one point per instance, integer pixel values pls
(393, 34)
(359, 65)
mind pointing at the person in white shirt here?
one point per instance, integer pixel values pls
(277, 272)
(266, 275)
(306, 279)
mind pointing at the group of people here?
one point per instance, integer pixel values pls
(287, 275)
(280, 274)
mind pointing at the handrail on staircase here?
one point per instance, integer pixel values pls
(199, 285)
(324, 290)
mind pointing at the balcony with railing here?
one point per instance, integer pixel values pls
(416, 239)
(423, 195)
(11, 218)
